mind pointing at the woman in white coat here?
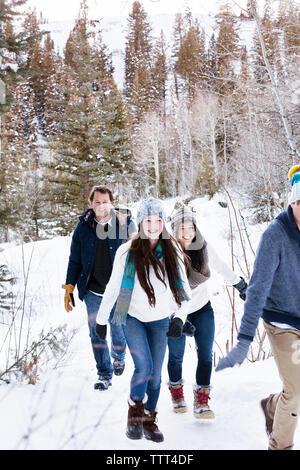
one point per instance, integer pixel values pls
(149, 283)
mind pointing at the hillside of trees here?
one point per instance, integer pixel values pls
(195, 116)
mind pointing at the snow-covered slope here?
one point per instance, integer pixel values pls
(62, 411)
(114, 30)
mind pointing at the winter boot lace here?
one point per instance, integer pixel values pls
(135, 419)
(179, 405)
(201, 407)
(151, 431)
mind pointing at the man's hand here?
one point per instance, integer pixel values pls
(237, 355)
(69, 299)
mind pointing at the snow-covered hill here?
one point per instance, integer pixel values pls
(62, 411)
(114, 30)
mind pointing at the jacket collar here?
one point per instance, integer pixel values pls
(286, 219)
(89, 217)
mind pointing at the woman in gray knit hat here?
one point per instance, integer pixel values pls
(200, 321)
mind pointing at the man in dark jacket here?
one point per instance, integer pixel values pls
(274, 294)
(96, 238)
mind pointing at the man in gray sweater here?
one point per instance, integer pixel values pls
(274, 294)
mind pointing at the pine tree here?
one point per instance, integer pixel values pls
(14, 45)
(20, 170)
(142, 95)
(206, 181)
(160, 73)
(76, 143)
(212, 64)
(178, 32)
(86, 146)
(50, 77)
(115, 163)
(12, 168)
(227, 50)
(289, 22)
(191, 62)
(45, 63)
(103, 64)
(138, 63)
(16, 140)
(270, 38)
(6, 294)
(138, 42)
(243, 83)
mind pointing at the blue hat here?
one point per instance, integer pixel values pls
(150, 206)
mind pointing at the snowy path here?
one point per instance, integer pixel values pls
(64, 412)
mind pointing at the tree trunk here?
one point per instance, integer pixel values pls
(282, 110)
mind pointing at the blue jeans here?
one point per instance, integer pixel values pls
(147, 343)
(204, 322)
(100, 347)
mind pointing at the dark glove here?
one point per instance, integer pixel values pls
(101, 331)
(188, 329)
(237, 355)
(242, 287)
(175, 328)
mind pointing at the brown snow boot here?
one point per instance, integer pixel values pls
(201, 406)
(135, 419)
(151, 431)
(179, 405)
(268, 421)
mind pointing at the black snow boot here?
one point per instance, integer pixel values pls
(102, 384)
(268, 421)
(151, 431)
(119, 367)
(135, 419)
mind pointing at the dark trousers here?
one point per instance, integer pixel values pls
(204, 322)
(100, 347)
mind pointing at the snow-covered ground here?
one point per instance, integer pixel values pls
(62, 411)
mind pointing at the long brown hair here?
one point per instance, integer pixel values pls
(142, 254)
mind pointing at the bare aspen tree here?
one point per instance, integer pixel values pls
(275, 89)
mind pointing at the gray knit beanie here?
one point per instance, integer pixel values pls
(150, 206)
(185, 214)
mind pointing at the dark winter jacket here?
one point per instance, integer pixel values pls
(274, 288)
(84, 246)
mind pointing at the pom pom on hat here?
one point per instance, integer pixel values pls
(294, 177)
(293, 170)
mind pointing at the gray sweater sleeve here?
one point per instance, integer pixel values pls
(266, 262)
